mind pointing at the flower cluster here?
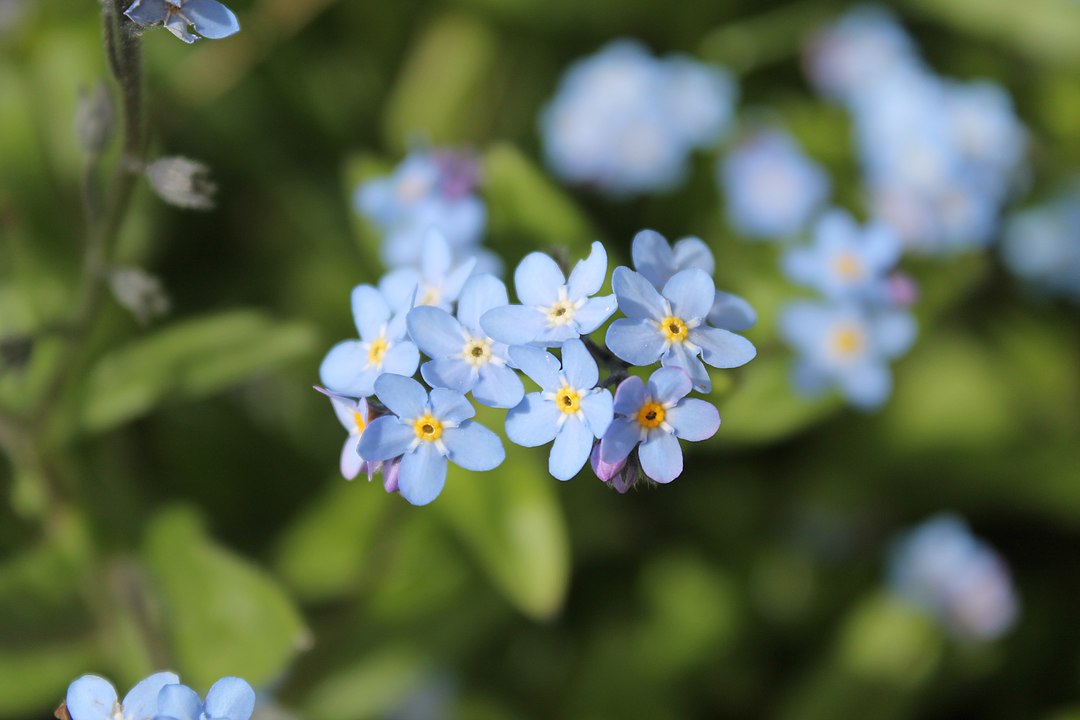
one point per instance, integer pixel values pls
(158, 697)
(943, 569)
(210, 18)
(625, 122)
(939, 157)
(1042, 244)
(476, 342)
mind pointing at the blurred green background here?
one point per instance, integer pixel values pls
(181, 506)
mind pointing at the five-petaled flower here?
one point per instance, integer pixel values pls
(354, 416)
(210, 18)
(94, 698)
(230, 698)
(436, 281)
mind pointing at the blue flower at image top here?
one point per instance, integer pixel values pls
(436, 280)
(94, 698)
(230, 698)
(426, 431)
(210, 18)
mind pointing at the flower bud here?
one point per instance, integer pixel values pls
(182, 182)
(139, 292)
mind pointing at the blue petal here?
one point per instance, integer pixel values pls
(142, 700)
(691, 293)
(351, 463)
(588, 275)
(809, 379)
(533, 422)
(669, 384)
(653, 258)
(557, 335)
(597, 408)
(637, 341)
(385, 438)
(480, 294)
(678, 356)
(215, 21)
(437, 257)
(692, 252)
(179, 702)
(802, 324)
(399, 287)
(513, 324)
(894, 332)
(621, 437)
(178, 26)
(474, 447)
(661, 457)
(403, 396)
(578, 365)
(230, 697)
(401, 359)
(91, 698)
(436, 332)
(498, 386)
(731, 312)
(694, 419)
(637, 298)
(629, 396)
(370, 311)
(539, 365)
(147, 12)
(537, 280)
(455, 281)
(422, 474)
(867, 386)
(721, 348)
(451, 406)
(342, 369)
(801, 266)
(571, 450)
(453, 373)
(594, 313)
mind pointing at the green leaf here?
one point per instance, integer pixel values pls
(188, 360)
(373, 687)
(224, 615)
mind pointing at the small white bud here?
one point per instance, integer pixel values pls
(182, 182)
(139, 292)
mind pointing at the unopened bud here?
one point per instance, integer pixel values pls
(182, 182)
(140, 293)
(94, 119)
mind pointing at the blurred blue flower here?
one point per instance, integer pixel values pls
(658, 261)
(436, 281)
(210, 18)
(94, 698)
(670, 326)
(942, 568)
(1042, 245)
(772, 188)
(569, 408)
(352, 366)
(463, 357)
(230, 698)
(653, 417)
(847, 346)
(425, 431)
(554, 309)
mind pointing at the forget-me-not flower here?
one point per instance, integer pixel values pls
(463, 357)
(230, 698)
(1042, 244)
(210, 18)
(670, 325)
(352, 366)
(553, 309)
(426, 430)
(658, 261)
(94, 698)
(569, 408)
(653, 417)
(354, 416)
(436, 281)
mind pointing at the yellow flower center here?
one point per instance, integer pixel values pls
(430, 296)
(848, 267)
(358, 418)
(848, 341)
(650, 415)
(477, 351)
(377, 350)
(427, 428)
(568, 400)
(561, 313)
(673, 329)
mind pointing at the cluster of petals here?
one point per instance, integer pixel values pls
(210, 18)
(160, 696)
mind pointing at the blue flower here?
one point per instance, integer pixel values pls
(846, 345)
(210, 18)
(772, 188)
(653, 419)
(669, 326)
(437, 281)
(658, 262)
(230, 698)
(354, 416)
(845, 260)
(463, 357)
(351, 367)
(553, 308)
(569, 408)
(94, 698)
(425, 431)
(1040, 245)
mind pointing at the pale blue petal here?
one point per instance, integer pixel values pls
(637, 341)
(653, 257)
(604, 470)
(437, 256)
(637, 298)
(215, 21)
(691, 293)
(571, 450)
(436, 332)
(230, 697)
(692, 252)
(513, 324)
(385, 438)
(597, 408)
(480, 294)
(540, 365)
(343, 367)
(422, 474)
(141, 701)
(731, 312)
(678, 356)
(629, 396)
(498, 386)
(537, 280)
(178, 26)
(809, 379)
(402, 395)
(894, 333)
(344, 408)
(147, 12)
(661, 457)
(474, 447)
(453, 373)
(694, 419)
(802, 324)
(178, 702)
(370, 311)
(533, 422)
(351, 462)
(399, 287)
(401, 359)
(669, 384)
(621, 437)
(801, 265)
(449, 405)
(578, 365)
(867, 386)
(455, 281)
(594, 313)
(556, 336)
(722, 348)
(91, 698)
(588, 275)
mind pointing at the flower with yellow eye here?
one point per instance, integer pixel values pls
(436, 281)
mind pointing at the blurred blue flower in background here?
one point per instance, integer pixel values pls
(772, 188)
(625, 122)
(210, 18)
(942, 568)
(230, 698)
(1041, 244)
(94, 698)
(436, 279)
